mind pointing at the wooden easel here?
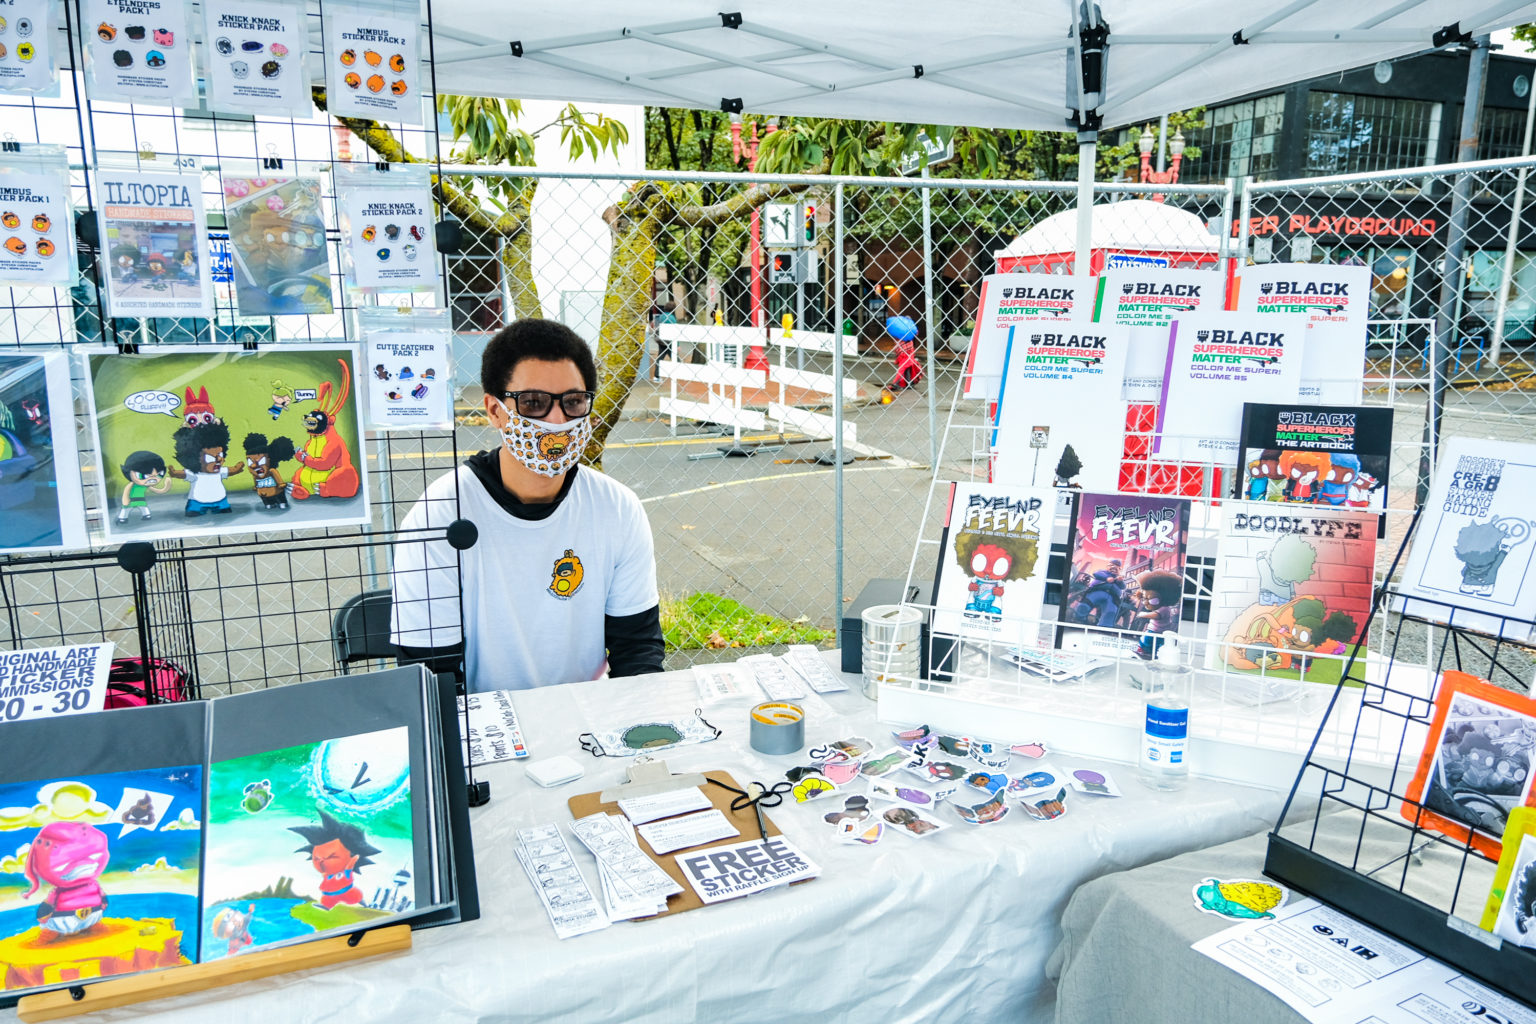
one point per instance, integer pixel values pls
(176, 981)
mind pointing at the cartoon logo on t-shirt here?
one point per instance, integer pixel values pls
(567, 576)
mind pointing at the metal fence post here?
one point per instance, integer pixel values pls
(1446, 325)
(928, 271)
(837, 410)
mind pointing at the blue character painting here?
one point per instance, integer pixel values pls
(98, 875)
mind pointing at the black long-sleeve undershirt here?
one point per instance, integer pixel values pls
(634, 642)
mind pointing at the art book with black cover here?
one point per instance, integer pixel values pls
(1337, 455)
(1125, 582)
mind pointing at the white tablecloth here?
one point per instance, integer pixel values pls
(956, 926)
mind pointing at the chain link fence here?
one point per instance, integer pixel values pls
(751, 511)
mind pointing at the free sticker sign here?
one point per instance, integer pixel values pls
(53, 681)
(741, 869)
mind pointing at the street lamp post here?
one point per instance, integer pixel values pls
(1175, 149)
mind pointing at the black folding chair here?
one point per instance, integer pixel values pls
(361, 630)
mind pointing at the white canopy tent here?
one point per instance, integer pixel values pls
(1131, 225)
(1040, 64)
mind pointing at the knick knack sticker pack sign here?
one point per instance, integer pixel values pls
(371, 62)
(26, 46)
(140, 51)
(387, 221)
(255, 57)
(154, 242)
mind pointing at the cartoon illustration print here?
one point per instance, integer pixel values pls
(1243, 899)
(143, 471)
(1265, 481)
(990, 560)
(70, 857)
(1481, 549)
(201, 450)
(326, 464)
(567, 576)
(262, 458)
(337, 851)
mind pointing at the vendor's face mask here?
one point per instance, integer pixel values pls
(548, 449)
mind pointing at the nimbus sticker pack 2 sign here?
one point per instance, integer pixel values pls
(1216, 362)
(141, 51)
(372, 66)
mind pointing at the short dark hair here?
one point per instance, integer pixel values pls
(350, 836)
(143, 462)
(548, 341)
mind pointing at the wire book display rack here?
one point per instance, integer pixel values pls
(1246, 726)
(1359, 826)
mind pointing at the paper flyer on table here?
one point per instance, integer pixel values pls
(1008, 301)
(409, 383)
(254, 56)
(140, 52)
(1216, 362)
(1332, 969)
(372, 64)
(641, 809)
(1061, 390)
(741, 869)
(493, 733)
(690, 830)
(154, 240)
(29, 66)
(35, 215)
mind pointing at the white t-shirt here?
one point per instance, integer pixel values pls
(208, 488)
(535, 592)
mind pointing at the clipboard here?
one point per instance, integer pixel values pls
(744, 820)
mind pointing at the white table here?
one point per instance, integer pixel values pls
(960, 923)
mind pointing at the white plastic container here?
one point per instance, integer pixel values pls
(1164, 762)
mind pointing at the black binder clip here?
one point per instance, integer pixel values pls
(271, 162)
(382, 167)
(10, 146)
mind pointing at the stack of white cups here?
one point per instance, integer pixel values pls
(892, 637)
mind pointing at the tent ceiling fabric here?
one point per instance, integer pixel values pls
(995, 63)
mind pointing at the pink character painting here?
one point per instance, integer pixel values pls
(70, 857)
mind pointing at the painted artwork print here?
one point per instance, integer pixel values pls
(277, 234)
(207, 440)
(42, 505)
(98, 875)
(307, 839)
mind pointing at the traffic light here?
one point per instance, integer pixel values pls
(781, 269)
(810, 223)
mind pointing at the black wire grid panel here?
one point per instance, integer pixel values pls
(1358, 833)
(237, 612)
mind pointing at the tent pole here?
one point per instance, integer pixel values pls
(1447, 323)
(839, 269)
(1087, 153)
(1507, 272)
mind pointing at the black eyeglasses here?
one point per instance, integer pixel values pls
(536, 404)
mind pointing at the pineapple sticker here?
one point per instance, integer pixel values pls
(1245, 899)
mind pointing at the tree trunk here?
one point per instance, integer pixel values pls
(626, 303)
(517, 257)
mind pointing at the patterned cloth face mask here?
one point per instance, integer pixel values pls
(548, 449)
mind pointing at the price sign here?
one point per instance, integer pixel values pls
(53, 681)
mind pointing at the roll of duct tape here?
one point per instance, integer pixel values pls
(777, 727)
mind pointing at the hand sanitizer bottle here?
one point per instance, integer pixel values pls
(1165, 731)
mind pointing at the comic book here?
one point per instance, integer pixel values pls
(1125, 579)
(1335, 302)
(1338, 455)
(1008, 304)
(1472, 551)
(990, 580)
(1293, 590)
(1060, 417)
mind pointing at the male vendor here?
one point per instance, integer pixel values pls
(561, 582)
